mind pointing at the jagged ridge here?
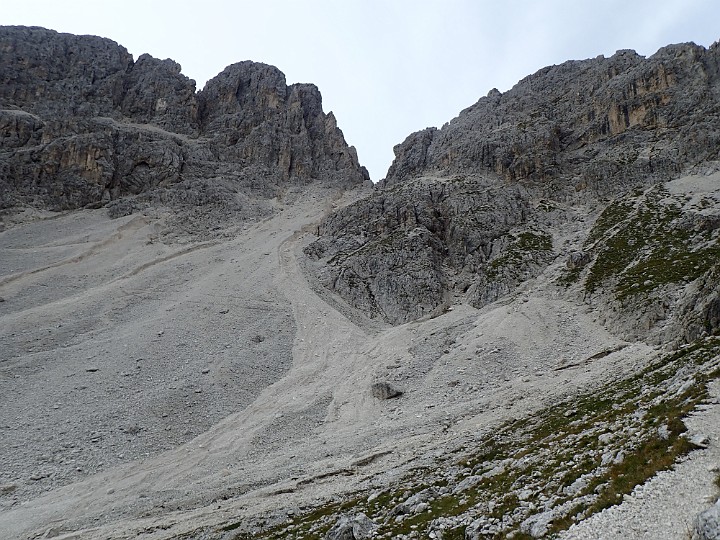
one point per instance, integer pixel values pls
(470, 211)
(83, 124)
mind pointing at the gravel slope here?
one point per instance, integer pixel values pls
(667, 504)
(205, 383)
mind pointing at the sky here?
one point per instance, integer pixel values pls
(386, 68)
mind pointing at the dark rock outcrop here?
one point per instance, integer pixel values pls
(385, 390)
(82, 124)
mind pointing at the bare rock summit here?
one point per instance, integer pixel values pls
(85, 125)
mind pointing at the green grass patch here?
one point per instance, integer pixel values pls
(614, 214)
(642, 245)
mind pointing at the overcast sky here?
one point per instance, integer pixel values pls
(386, 68)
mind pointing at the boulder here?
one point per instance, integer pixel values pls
(384, 390)
(706, 525)
(356, 527)
(577, 260)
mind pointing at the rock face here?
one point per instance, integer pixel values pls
(470, 211)
(412, 249)
(83, 124)
(653, 262)
(707, 524)
(257, 120)
(597, 125)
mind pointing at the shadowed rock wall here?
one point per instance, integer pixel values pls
(82, 124)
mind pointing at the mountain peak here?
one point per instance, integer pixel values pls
(90, 103)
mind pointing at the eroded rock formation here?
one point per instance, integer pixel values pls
(82, 124)
(470, 211)
(600, 124)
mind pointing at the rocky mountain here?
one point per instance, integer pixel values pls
(591, 125)
(595, 178)
(84, 125)
(470, 211)
(513, 335)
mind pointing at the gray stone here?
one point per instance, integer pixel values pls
(6, 489)
(524, 494)
(415, 503)
(467, 483)
(537, 525)
(495, 471)
(606, 438)
(577, 260)
(420, 507)
(424, 495)
(577, 486)
(706, 525)
(384, 390)
(699, 440)
(356, 527)
(474, 531)
(52, 532)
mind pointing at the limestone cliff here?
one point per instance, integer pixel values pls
(470, 211)
(83, 124)
(597, 125)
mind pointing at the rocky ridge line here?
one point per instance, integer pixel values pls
(597, 125)
(469, 212)
(83, 125)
